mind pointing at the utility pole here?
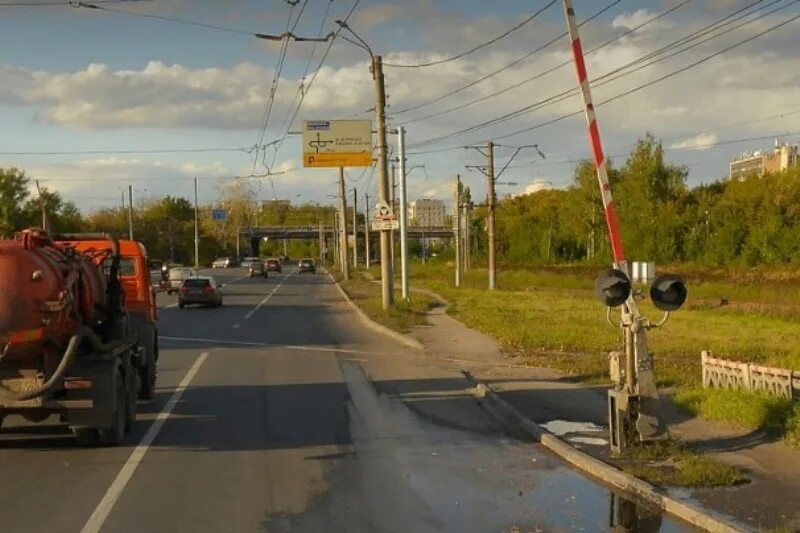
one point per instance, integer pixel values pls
(457, 229)
(366, 229)
(490, 216)
(394, 208)
(196, 229)
(387, 280)
(130, 212)
(355, 228)
(401, 145)
(335, 238)
(42, 206)
(345, 263)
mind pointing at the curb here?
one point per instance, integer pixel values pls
(374, 326)
(607, 473)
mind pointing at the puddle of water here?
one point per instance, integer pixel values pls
(592, 441)
(563, 427)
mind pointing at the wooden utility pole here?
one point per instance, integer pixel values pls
(490, 205)
(345, 262)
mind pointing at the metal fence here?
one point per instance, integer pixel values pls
(725, 374)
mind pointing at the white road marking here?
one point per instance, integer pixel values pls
(269, 345)
(114, 491)
(237, 326)
(266, 299)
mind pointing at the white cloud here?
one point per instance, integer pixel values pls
(702, 141)
(631, 20)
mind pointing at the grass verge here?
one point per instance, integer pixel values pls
(401, 318)
(670, 464)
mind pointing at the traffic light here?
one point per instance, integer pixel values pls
(612, 287)
(668, 292)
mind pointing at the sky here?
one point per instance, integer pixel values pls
(154, 93)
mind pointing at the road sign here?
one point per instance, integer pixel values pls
(383, 212)
(219, 214)
(337, 143)
(384, 225)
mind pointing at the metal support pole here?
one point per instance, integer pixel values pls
(355, 228)
(345, 263)
(401, 145)
(335, 238)
(641, 398)
(387, 282)
(130, 212)
(42, 206)
(196, 229)
(394, 210)
(490, 217)
(366, 230)
(457, 230)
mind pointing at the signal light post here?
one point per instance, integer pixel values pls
(634, 405)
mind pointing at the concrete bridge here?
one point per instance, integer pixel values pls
(255, 234)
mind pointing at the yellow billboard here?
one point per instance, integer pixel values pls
(337, 143)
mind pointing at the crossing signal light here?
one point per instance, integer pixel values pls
(612, 287)
(668, 292)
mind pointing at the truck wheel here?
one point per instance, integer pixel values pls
(149, 371)
(113, 435)
(85, 437)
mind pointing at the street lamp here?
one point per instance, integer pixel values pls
(387, 292)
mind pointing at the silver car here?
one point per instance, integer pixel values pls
(200, 290)
(176, 276)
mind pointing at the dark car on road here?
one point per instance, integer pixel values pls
(274, 265)
(201, 290)
(306, 265)
(257, 268)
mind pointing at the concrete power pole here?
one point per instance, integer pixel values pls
(335, 239)
(44, 210)
(457, 229)
(345, 262)
(130, 212)
(355, 228)
(366, 230)
(196, 229)
(393, 203)
(490, 216)
(401, 145)
(387, 280)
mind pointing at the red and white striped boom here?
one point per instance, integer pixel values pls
(594, 140)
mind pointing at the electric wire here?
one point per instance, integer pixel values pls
(478, 47)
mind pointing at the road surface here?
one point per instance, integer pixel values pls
(280, 412)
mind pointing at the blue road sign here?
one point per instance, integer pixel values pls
(219, 214)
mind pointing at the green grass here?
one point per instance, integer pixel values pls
(402, 317)
(551, 318)
(667, 463)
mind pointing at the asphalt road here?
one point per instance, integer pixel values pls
(280, 412)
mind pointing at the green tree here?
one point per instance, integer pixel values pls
(13, 194)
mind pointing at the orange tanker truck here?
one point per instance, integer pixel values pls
(77, 332)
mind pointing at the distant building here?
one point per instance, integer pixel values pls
(426, 213)
(761, 162)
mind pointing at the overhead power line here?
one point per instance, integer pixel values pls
(127, 151)
(258, 35)
(515, 62)
(484, 98)
(66, 3)
(617, 74)
(478, 47)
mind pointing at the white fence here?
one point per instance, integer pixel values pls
(725, 374)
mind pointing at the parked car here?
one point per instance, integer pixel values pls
(176, 276)
(274, 265)
(247, 260)
(307, 265)
(257, 268)
(200, 290)
(224, 262)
